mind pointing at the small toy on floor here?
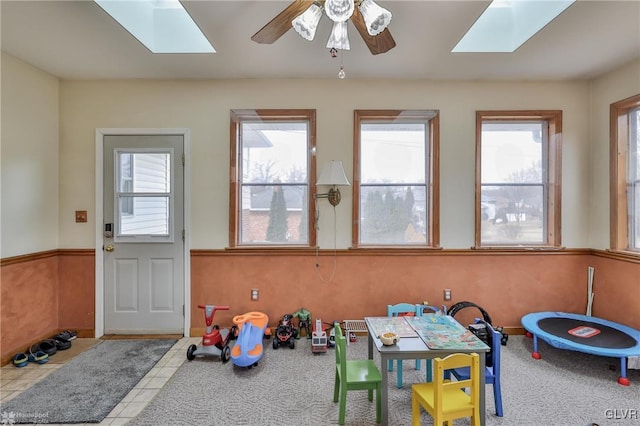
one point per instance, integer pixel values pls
(304, 322)
(285, 333)
(319, 339)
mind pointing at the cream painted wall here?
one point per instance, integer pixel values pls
(615, 86)
(29, 159)
(203, 107)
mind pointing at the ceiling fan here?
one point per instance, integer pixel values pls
(380, 41)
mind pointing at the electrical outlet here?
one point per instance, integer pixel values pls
(447, 294)
(254, 294)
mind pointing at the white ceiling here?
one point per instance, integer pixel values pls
(78, 40)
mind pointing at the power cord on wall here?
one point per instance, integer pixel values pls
(335, 249)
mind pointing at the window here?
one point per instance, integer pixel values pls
(395, 178)
(518, 170)
(625, 174)
(126, 182)
(271, 165)
(143, 193)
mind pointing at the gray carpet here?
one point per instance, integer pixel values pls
(86, 389)
(295, 387)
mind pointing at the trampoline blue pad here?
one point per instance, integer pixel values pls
(584, 333)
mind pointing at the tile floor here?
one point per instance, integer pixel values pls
(15, 380)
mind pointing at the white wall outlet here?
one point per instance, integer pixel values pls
(254, 294)
(447, 294)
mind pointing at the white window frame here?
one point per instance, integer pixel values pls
(144, 238)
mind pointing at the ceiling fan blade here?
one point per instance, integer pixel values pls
(281, 23)
(380, 43)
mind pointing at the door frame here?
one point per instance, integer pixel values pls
(99, 255)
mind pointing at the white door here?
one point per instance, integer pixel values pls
(143, 237)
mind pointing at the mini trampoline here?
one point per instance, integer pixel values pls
(584, 333)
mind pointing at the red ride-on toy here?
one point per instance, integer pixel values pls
(215, 341)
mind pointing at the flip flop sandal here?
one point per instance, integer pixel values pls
(39, 357)
(20, 360)
(72, 334)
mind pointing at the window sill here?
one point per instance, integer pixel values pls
(621, 254)
(519, 248)
(270, 249)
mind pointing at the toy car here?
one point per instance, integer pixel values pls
(285, 333)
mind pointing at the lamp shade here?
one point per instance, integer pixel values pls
(376, 18)
(339, 38)
(307, 23)
(333, 174)
(339, 10)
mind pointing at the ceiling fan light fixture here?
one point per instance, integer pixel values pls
(307, 23)
(339, 10)
(339, 38)
(376, 18)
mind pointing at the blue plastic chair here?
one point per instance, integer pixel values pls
(394, 311)
(430, 310)
(492, 374)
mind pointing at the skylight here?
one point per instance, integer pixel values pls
(163, 26)
(506, 24)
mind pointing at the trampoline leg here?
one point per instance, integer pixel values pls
(623, 379)
(535, 354)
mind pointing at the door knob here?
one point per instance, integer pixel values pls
(109, 248)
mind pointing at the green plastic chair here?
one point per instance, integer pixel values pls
(354, 375)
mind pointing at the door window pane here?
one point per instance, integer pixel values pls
(143, 172)
(150, 217)
(143, 196)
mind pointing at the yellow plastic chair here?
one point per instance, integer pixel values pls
(445, 400)
(354, 375)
